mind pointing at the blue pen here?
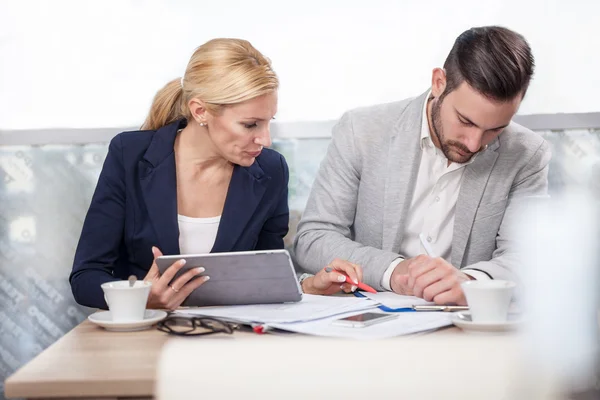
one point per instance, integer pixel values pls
(386, 308)
(430, 253)
(433, 307)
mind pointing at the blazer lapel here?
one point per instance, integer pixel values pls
(158, 181)
(473, 185)
(402, 168)
(246, 190)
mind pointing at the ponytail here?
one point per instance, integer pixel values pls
(166, 106)
(220, 72)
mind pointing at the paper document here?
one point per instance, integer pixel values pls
(311, 307)
(393, 300)
(405, 324)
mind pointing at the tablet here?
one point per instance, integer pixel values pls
(248, 277)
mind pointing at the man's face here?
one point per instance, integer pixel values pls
(465, 121)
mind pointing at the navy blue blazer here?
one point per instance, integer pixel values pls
(134, 207)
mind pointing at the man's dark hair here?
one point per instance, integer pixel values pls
(494, 61)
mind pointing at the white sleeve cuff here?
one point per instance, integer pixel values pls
(477, 275)
(387, 276)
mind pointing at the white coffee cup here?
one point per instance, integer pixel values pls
(126, 304)
(488, 300)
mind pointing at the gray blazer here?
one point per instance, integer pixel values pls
(365, 184)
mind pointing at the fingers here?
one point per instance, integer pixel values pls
(171, 297)
(153, 272)
(453, 293)
(186, 277)
(424, 281)
(352, 270)
(436, 288)
(420, 265)
(332, 278)
(324, 279)
(165, 294)
(430, 277)
(185, 291)
(170, 273)
(348, 288)
(400, 285)
(156, 252)
(452, 296)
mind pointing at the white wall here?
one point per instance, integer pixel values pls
(98, 63)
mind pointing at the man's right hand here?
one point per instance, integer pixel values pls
(170, 296)
(432, 279)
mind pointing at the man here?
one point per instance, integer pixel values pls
(448, 164)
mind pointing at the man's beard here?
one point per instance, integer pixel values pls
(449, 147)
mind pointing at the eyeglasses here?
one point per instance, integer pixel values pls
(195, 326)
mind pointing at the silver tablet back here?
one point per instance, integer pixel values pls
(255, 277)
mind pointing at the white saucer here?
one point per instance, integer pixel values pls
(104, 319)
(463, 320)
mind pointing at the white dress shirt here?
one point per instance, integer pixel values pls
(197, 235)
(433, 205)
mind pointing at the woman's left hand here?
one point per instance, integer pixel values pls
(331, 282)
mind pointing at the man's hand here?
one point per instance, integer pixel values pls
(399, 279)
(433, 279)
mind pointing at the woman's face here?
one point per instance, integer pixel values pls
(240, 131)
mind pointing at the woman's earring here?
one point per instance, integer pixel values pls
(202, 124)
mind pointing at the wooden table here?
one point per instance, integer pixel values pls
(90, 362)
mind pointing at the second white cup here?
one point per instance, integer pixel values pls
(489, 301)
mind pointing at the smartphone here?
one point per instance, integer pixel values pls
(364, 319)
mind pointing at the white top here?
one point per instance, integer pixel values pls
(433, 205)
(197, 235)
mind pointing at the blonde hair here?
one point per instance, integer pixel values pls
(221, 72)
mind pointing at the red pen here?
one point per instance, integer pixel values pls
(360, 285)
(260, 329)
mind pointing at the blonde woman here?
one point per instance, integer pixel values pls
(197, 178)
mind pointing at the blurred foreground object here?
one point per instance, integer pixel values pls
(559, 243)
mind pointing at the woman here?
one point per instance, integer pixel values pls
(196, 179)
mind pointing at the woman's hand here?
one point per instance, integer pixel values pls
(165, 296)
(328, 281)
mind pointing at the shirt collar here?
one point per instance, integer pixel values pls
(425, 133)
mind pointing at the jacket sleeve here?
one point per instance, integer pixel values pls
(326, 229)
(530, 186)
(102, 233)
